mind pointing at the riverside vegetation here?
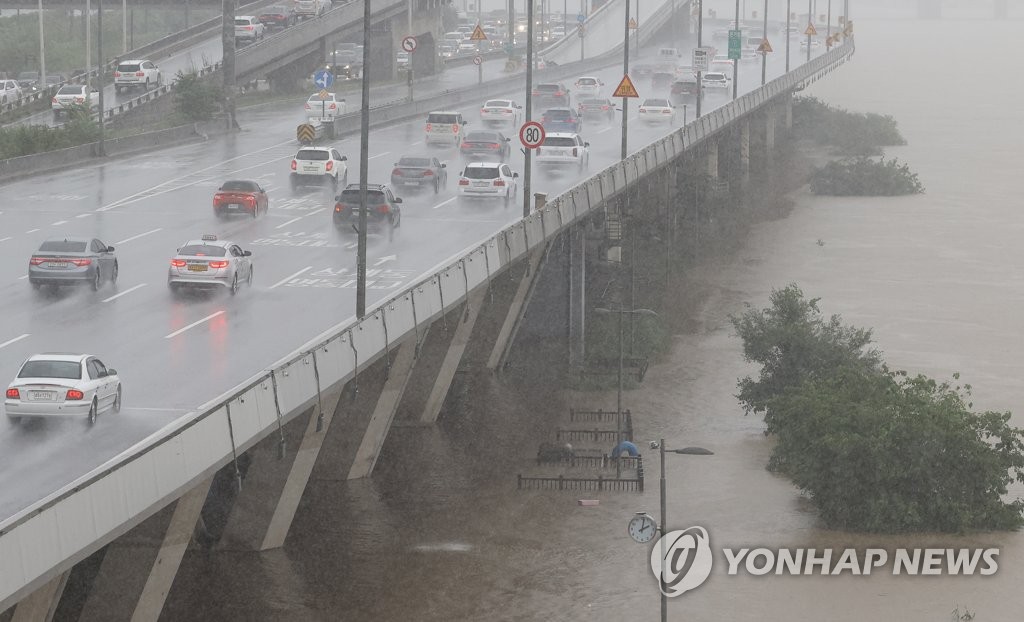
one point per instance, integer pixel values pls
(855, 138)
(875, 450)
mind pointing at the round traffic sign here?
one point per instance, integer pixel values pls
(477, 60)
(581, 18)
(409, 44)
(531, 134)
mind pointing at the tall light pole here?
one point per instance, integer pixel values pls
(700, 43)
(88, 41)
(829, 19)
(42, 50)
(510, 46)
(788, 13)
(686, 451)
(100, 149)
(764, 55)
(735, 64)
(364, 167)
(529, 105)
(625, 72)
(672, 21)
(124, 26)
(810, 20)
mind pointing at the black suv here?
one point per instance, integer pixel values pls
(382, 208)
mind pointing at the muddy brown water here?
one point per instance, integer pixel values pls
(439, 533)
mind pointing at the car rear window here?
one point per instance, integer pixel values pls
(419, 162)
(51, 369)
(498, 103)
(63, 246)
(126, 68)
(656, 103)
(559, 141)
(315, 98)
(587, 81)
(594, 102)
(202, 250)
(442, 118)
(482, 172)
(714, 76)
(244, 186)
(312, 154)
(557, 115)
(242, 22)
(482, 137)
(71, 90)
(551, 88)
(352, 196)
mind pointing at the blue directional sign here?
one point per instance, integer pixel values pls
(581, 18)
(323, 78)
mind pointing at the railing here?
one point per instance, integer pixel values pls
(50, 536)
(585, 484)
(595, 416)
(604, 461)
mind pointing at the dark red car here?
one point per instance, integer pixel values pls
(277, 16)
(240, 197)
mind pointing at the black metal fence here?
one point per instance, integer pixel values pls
(594, 462)
(598, 484)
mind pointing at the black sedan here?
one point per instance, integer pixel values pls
(419, 172)
(382, 209)
(597, 109)
(486, 145)
(72, 261)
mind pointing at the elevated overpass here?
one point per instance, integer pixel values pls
(166, 476)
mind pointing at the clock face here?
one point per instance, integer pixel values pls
(642, 528)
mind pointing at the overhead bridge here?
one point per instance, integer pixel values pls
(167, 475)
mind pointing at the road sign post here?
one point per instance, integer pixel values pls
(479, 62)
(532, 134)
(409, 44)
(324, 79)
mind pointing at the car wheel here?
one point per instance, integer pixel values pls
(334, 183)
(92, 412)
(96, 280)
(437, 186)
(219, 213)
(117, 400)
(248, 281)
(255, 211)
(234, 284)
(345, 180)
(113, 274)
(145, 87)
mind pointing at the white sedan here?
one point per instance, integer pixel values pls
(715, 80)
(210, 263)
(50, 385)
(71, 95)
(501, 112)
(655, 110)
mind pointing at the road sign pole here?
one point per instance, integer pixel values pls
(764, 55)
(625, 100)
(529, 104)
(700, 42)
(736, 64)
(788, 37)
(810, 20)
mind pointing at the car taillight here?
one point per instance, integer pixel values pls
(79, 100)
(499, 182)
(428, 127)
(74, 394)
(250, 200)
(428, 173)
(494, 146)
(81, 262)
(295, 165)
(455, 128)
(463, 182)
(333, 106)
(483, 110)
(219, 264)
(248, 27)
(139, 74)
(13, 394)
(178, 263)
(666, 112)
(559, 94)
(383, 208)
(54, 100)
(307, 106)
(330, 165)
(37, 261)
(396, 172)
(604, 107)
(117, 74)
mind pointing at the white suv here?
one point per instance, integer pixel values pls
(588, 86)
(564, 149)
(319, 165)
(131, 73)
(10, 91)
(445, 126)
(489, 180)
(248, 28)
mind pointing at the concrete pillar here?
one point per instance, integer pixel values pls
(769, 132)
(1001, 9)
(263, 511)
(138, 568)
(712, 159)
(452, 358)
(789, 113)
(745, 151)
(40, 605)
(516, 310)
(387, 404)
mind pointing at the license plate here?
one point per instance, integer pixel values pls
(481, 184)
(56, 264)
(197, 267)
(234, 206)
(42, 395)
(412, 183)
(310, 169)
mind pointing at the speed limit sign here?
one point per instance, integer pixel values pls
(531, 134)
(409, 44)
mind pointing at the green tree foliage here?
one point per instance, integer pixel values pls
(195, 99)
(851, 133)
(22, 140)
(875, 450)
(865, 177)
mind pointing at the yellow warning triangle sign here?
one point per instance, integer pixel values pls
(811, 31)
(765, 46)
(632, 23)
(478, 34)
(625, 88)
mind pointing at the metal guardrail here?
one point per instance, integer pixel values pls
(583, 484)
(53, 534)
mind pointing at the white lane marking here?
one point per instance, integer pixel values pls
(418, 142)
(317, 211)
(378, 155)
(5, 239)
(285, 224)
(86, 215)
(610, 127)
(288, 278)
(193, 324)
(170, 410)
(22, 278)
(352, 245)
(127, 291)
(136, 237)
(32, 230)
(445, 202)
(59, 222)
(10, 341)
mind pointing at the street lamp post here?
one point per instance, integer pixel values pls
(364, 167)
(529, 105)
(764, 55)
(735, 63)
(788, 37)
(810, 20)
(625, 72)
(700, 43)
(688, 451)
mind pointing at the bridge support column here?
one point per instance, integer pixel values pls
(1001, 9)
(450, 364)
(41, 604)
(769, 132)
(138, 568)
(387, 404)
(516, 310)
(712, 159)
(745, 151)
(789, 113)
(263, 511)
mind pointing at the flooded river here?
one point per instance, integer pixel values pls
(441, 534)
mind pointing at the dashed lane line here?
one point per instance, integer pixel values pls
(193, 324)
(127, 291)
(32, 230)
(445, 202)
(15, 340)
(290, 277)
(136, 237)
(285, 224)
(59, 222)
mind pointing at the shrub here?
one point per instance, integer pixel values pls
(194, 99)
(865, 177)
(856, 134)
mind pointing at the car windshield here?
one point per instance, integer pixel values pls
(656, 103)
(664, 76)
(594, 102)
(315, 98)
(202, 250)
(415, 162)
(482, 137)
(714, 76)
(498, 103)
(558, 115)
(586, 82)
(352, 196)
(559, 141)
(548, 88)
(244, 186)
(62, 246)
(312, 154)
(51, 369)
(71, 90)
(482, 172)
(126, 68)
(450, 119)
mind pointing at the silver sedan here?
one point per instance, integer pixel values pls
(70, 261)
(210, 263)
(60, 384)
